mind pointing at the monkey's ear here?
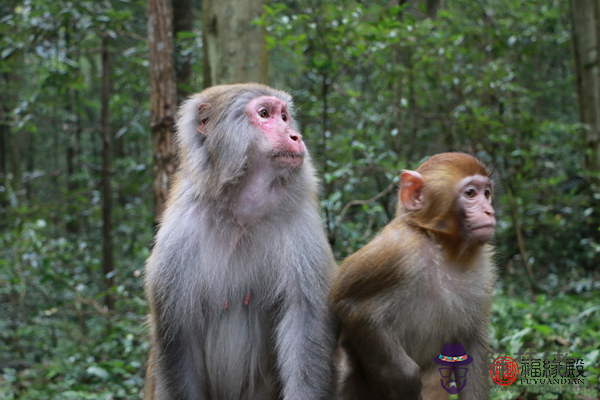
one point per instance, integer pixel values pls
(411, 190)
(203, 117)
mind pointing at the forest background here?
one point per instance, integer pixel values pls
(88, 93)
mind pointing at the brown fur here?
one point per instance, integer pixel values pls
(406, 293)
(441, 173)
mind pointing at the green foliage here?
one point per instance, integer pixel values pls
(51, 290)
(51, 283)
(568, 323)
(52, 294)
(378, 88)
(387, 87)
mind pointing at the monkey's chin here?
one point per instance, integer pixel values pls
(483, 234)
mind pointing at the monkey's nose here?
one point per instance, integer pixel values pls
(488, 209)
(295, 136)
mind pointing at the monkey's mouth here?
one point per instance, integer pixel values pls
(289, 159)
(483, 233)
(487, 226)
(287, 155)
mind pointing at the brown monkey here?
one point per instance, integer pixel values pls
(240, 272)
(425, 280)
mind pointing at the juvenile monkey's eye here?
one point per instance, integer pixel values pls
(284, 116)
(263, 113)
(488, 193)
(470, 193)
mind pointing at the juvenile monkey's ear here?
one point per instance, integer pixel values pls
(411, 190)
(203, 117)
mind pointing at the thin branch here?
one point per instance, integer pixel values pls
(102, 310)
(519, 232)
(379, 195)
(435, 116)
(91, 166)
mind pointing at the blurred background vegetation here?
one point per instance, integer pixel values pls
(378, 85)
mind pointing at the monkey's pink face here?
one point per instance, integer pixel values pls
(475, 208)
(271, 115)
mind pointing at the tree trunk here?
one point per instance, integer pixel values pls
(30, 164)
(432, 7)
(183, 21)
(14, 146)
(234, 47)
(586, 39)
(107, 268)
(73, 131)
(4, 131)
(401, 57)
(163, 99)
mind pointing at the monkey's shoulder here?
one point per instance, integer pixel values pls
(372, 270)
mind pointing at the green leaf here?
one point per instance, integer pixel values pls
(186, 35)
(543, 329)
(7, 52)
(98, 372)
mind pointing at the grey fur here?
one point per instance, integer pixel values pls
(211, 251)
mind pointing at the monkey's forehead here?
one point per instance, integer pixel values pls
(245, 90)
(475, 180)
(457, 164)
(272, 101)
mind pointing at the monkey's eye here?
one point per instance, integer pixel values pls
(470, 193)
(284, 117)
(263, 113)
(488, 194)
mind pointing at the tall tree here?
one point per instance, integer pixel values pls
(586, 40)
(4, 133)
(106, 178)
(163, 98)
(234, 47)
(183, 21)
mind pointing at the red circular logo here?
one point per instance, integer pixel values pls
(504, 371)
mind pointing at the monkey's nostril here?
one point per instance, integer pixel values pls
(294, 137)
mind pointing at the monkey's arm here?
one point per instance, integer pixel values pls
(305, 337)
(175, 365)
(176, 358)
(360, 297)
(304, 349)
(391, 373)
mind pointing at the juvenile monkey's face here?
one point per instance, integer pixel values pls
(474, 207)
(284, 143)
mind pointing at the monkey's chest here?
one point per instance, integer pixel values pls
(437, 313)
